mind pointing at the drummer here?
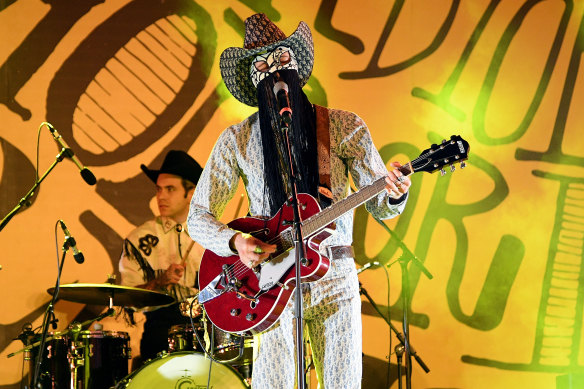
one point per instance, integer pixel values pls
(159, 255)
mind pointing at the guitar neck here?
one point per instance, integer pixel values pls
(328, 215)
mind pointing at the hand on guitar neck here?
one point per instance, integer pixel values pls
(251, 250)
(243, 301)
(397, 182)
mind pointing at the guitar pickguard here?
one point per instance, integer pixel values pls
(272, 271)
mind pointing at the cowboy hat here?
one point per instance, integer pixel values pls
(262, 35)
(178, 163)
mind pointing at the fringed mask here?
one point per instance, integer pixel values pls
(267, 63)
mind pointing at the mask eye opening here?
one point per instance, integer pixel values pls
(261, 66)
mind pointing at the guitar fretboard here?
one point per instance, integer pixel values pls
(325, 217)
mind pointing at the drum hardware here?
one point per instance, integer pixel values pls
(221, 344)
(30, 335)
(218, 343)
(80, 347)
(112, 295)
(75, 355)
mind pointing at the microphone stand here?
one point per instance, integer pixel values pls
(398, 334)
(64, 153)
(406, 257)
(46, 319)
(299, 260)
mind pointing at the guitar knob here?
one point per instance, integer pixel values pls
(442, 172)
(452, 168)
(250, 316)
(462, 165)
(235, 312)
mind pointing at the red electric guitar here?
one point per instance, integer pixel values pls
(245, 301)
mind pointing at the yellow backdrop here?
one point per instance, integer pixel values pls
(125, 81)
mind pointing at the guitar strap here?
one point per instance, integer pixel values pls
(323, 142)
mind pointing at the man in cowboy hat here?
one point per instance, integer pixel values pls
(326, 145)
(160, 255)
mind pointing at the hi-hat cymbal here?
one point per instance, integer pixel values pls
(100, 294)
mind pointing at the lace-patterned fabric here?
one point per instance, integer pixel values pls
(238, 154)
(332, 304)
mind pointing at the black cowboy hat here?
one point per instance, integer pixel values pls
(178, 163)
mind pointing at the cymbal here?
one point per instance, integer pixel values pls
(100, 294)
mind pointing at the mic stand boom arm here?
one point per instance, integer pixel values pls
(64, 153)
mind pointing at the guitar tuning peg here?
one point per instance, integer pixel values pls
(443, 141)
(462, 165)
(442, 172)
(452, 168)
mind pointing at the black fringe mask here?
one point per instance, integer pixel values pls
(302, 134)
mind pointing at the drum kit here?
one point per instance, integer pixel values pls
(198, 355)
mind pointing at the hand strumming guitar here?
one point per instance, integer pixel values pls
(251, 251)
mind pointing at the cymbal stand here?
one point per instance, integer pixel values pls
(75, 355)
(27, 337)
(77, 349)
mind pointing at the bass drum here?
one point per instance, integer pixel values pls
(182, 369)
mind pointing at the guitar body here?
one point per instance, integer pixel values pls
(235, 312)
(240, 300)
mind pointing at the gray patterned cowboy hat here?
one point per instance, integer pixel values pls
(262, 35)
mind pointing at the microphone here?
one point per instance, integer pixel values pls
(78, 255)
(368, 265)
(281, 92)
(85, 172)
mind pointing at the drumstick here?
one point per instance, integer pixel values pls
(184, 258)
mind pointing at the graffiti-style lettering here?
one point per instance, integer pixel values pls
(373, 69)
(554, 152)
(442, 98)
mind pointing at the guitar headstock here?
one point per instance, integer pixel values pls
(445, 154)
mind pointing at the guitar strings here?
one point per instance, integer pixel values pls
(239, 268)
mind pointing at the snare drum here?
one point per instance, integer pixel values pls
(182, 369)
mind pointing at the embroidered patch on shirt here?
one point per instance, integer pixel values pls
(147, 243)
